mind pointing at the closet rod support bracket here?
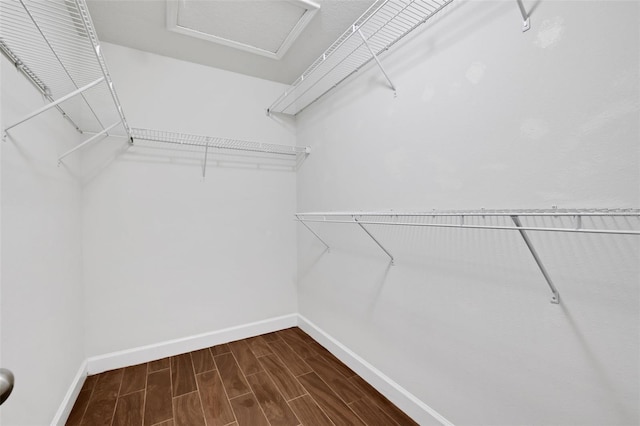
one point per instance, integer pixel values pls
(105, 132)
(555, 297)
(375, 240)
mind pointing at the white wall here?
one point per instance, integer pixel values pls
(486, 116)
(167, 254)
(41, 312)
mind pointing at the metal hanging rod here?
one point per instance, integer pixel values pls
(384, 24)
(34, 79)
(208, 142)
(54, 44)
(55, 103)
(105, 132)
(391, 218)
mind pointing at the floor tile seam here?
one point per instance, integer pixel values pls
(236, 358)
(194, 364)
(306, 344)
(299, 396)
(300, 341)
(372, 400)
(277, 390)
(161, 369)
(226, 394)
(115, 406)
(317, 403)
(88, 402)
(195, 379)
(252, 351)
(214, 355)
(133, 391)
(356, 414)
(173, 415)
(287, 366)
(271, 376)
(357, 389)
(296, 353)
(257, 401)
(365, 399)
(144, 400)
(238, 396)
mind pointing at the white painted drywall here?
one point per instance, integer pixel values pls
(41, 312)
(167, 254)
(486, 116)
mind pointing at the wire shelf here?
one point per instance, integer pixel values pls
(53, 43)
(555, 220)
(215, 142)
(413, 219)
(384, 24)
(488, 212)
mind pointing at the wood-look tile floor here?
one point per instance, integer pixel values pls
(282, 378)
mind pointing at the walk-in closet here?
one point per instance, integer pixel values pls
(319, 212)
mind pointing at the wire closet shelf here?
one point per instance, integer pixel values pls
(383, 25)
(549, 220)
(54, 44)
(215, 142)
(413, 219)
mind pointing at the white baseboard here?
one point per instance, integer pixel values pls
(70, 398)
(406, 401)
(410, 404)
(113, 360)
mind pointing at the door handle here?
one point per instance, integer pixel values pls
(6, 384)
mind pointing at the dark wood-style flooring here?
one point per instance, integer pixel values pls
(282, 378)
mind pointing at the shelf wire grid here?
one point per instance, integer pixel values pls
(568, 220)
(383, 25)
(54, 44)
(215, 142)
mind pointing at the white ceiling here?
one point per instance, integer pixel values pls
(141, 24)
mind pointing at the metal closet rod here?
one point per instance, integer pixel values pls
(514, 215)
(33, 78)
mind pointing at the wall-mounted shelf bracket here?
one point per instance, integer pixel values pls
(526, 20)
(54, 103)
(88, 141)
(204, 164)
(375, 57)
(555, 298)
(314, 233)
(376, 241)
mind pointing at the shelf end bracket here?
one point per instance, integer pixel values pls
(555, 298)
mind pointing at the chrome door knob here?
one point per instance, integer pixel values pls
(6, 384)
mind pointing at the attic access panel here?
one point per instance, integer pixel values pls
(263, 27)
